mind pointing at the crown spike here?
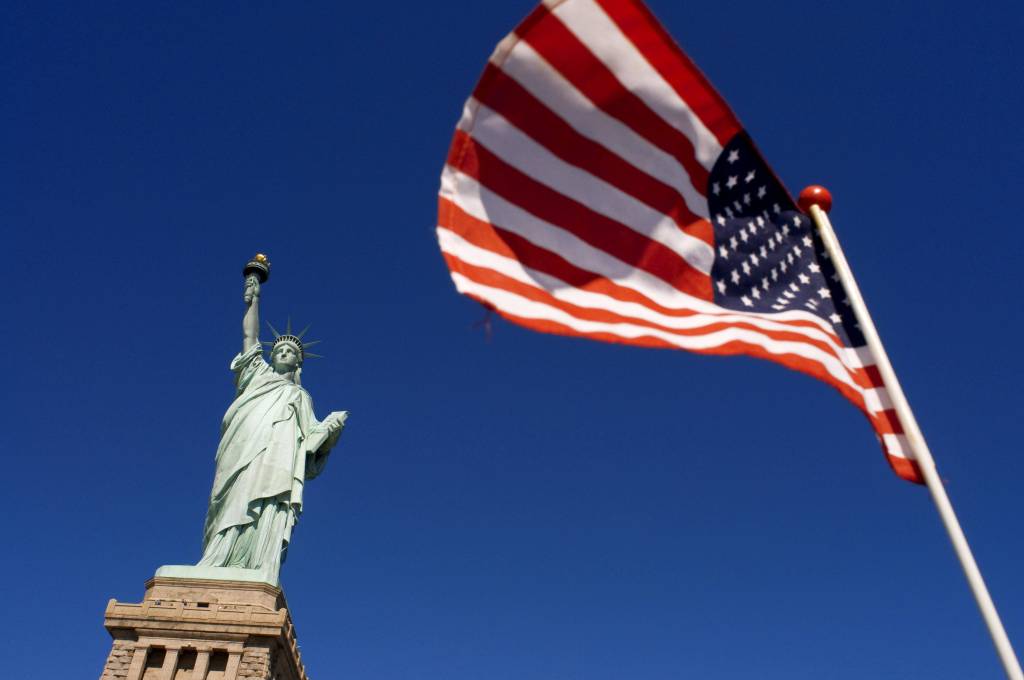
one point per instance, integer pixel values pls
(293, 339)
(299, 335)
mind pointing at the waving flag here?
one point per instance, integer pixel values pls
(598, 186)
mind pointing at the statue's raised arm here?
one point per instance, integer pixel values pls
(255, 272)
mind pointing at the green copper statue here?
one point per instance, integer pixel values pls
(270, 444)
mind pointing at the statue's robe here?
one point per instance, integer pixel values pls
(270, 444)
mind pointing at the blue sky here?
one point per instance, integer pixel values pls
(533, 507)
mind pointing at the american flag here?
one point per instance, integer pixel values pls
(598, 186)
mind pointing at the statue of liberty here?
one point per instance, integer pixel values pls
(270, 444)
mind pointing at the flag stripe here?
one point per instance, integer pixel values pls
(501, 94)
(526, 67)
(528, 195)
(605, 39)
(717, 341)
(516, 149)
(665, 56)
(564, 51)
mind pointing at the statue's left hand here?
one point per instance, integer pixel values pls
(336, 420)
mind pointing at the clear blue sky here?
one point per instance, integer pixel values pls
(535, 507)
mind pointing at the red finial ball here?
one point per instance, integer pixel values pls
(815, 195)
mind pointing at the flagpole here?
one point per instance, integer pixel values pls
(817, 201)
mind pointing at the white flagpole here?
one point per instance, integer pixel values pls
(817, 201)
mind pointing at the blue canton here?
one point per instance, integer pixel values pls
(768, 256)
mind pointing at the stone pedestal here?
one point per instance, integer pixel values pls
(201, 629)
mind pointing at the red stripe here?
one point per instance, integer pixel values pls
(494, 279)
(905, 468)
(546, 34)
(886, 422)
(504, 95)
(614, 238)
(661, 51)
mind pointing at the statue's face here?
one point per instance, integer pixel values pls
(285, 358)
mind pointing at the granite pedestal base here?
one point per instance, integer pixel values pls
(203, 629)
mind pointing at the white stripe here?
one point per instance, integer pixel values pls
(519, 150)
(897, 445)
(456, 246)
(877, 399)
(602, 36)
(524, 65)
(858, 356)
(483, 204)
(530, 309)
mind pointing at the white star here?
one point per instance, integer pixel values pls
(715, 189)
(782, 266)
(734, 156)
(835, 277)
(804, 278)
(785, 230)
(728, 211)
(746, 301)
(814, 267)
(733, 243)
(808, 242)
(796, 220)
(732, 181)
(750, 177)
(746, 268)
(720, 220)
(756, 293)
(776, 208)
(721, 286)
(764, 283)
(736, 204)
(775, 274)
(834, 318)
(790, 258)
(795, 288)
(788, 294)
(761, 191)
(760, 221)
(824, 293)
(796, 249)
(743, 235)
(764, 252)
(754, 259)
(746, 198)
(846, 301)
(723, 252)
(735, 276)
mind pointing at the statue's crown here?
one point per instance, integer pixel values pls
(293, 340)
